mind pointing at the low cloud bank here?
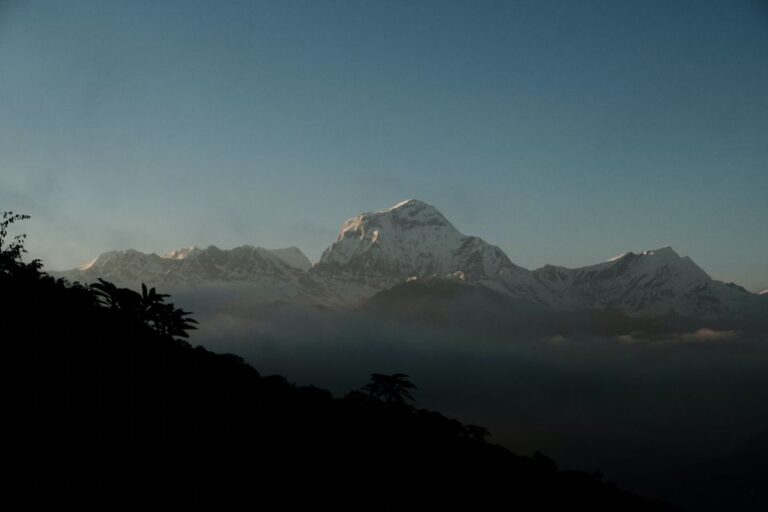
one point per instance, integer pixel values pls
(629, 405)
(706, 335)
(701, 337)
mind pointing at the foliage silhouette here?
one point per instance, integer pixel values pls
(148, 307)
(390, 388)
(102, 404)
(11, 252)
(476, 433)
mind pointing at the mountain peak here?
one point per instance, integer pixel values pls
(664, 257)
(620, 256)
(400, 234)
(666, 251)
(180, 254)
(413, 239)
(413, 213)
(410, 203)
(404, 216)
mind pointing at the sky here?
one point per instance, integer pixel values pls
(564, 132)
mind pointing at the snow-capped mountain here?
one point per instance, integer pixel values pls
(645, 284)
(376, 251)
(412, 240)
(193, 266)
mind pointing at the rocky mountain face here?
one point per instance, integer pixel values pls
(376, 251)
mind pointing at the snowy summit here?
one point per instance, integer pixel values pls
(414, 240)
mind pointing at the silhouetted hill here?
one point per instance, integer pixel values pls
(104, 403)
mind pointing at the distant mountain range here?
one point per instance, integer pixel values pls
(193, 266)
(413, 241)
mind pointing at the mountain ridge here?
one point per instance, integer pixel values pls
(378, 250)
(193, 266)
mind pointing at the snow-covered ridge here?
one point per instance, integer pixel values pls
(648, 283)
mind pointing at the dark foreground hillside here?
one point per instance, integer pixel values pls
(103, 403)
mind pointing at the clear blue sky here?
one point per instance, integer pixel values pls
(565, 132)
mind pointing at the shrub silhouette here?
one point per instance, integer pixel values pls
(103, 404)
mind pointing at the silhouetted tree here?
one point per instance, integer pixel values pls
(11, 251)
(148, 307)
(14, 249)
(390, 388)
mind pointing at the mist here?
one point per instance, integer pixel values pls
(637, 409)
